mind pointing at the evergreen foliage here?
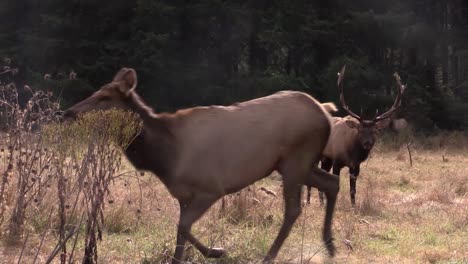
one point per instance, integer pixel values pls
(205, 52)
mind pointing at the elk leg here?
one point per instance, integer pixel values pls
(180, 246)
(324, 181)
(353, 174)
(321, 198)
(292, 198)
(327, 233)
(352, 190)
(330, 185)
(190, 211)
(337, 168)
(326, 166)
(309, 190)
(309, 186)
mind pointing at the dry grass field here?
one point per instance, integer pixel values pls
(404, 214)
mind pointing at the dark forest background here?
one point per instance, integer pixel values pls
(204, 52)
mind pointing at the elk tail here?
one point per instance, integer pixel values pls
(329, 107)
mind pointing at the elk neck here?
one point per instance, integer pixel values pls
(153, 149)
(359, 153)
(136, 104)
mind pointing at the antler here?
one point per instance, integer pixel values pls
(342, 100)
(397, 103)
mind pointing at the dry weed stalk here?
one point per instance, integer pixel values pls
(26, 160)
(91, 154)
(39, 151)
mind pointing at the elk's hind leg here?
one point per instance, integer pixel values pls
(326, 165)
(190, 211)
(330, 185)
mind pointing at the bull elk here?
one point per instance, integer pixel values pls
(203, 153)
(352, 138)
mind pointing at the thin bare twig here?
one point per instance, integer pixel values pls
(61, 244)
(22, 248)
(43, 235)
(72, 253)
(10, 70)
(409, 152)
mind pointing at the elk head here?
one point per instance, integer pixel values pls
(112, 95)
(368, 129)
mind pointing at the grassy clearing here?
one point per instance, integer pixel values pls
(404, 214)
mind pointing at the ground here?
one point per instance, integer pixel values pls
(404, 214)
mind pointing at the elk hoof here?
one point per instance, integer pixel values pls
(331, 250)
(216, 253)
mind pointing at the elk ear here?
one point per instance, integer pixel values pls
(383, 124)
(352, 124)
(128, 78)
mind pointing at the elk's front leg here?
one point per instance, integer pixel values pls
(353, 174)
(190, 211)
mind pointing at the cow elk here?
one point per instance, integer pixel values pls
(352, 138)
(203, 153)
(399, 125)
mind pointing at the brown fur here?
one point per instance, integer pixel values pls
(204, 153)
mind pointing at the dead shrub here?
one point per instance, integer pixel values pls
(439, 195)
(55, 176)
(90, 154)
(369, 203)
(248, 206)
(434, 256)
(459, 216)
(26, 159)
(348, 227)
(458, 184)
(445, 140)
(120, 219)
(404, 181)
(401, 155)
